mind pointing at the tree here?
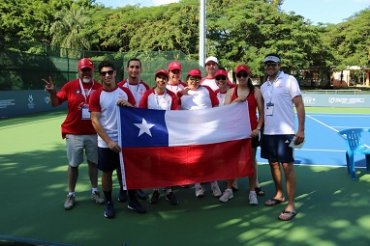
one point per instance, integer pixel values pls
(243, 32)
(70, 29)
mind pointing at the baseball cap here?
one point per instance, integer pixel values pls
(272, 58)
(241, 68)
(85, 63)
(211, 58)
(161, 71)
(174, 65)
(195, 73)
(221, 72)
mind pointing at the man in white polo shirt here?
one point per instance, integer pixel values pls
(280, 92)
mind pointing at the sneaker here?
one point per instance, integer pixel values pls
(141, 194)
(215, 189)
(170, 196)
(155, 197)
(235, 186)
(253, 198)
(122, 196)
(136, 206)
(70, 202)
(227, 195)
(109, 211)
(199, 191)
(95, 196)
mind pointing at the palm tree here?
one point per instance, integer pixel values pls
(69, 30)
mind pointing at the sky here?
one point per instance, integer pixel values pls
(324, 11)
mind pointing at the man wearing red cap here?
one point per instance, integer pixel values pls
(77, 128)
(174, 83)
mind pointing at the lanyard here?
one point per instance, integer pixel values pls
(137, 86)
(83, 90)
(271, 87)
(157, 98)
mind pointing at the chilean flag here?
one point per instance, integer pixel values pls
(162, 148)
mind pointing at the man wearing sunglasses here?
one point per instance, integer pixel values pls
(280, 92)
(103, 107)
(77, 128)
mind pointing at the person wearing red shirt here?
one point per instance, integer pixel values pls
(245, 91)
(103, 107)
(77, 128)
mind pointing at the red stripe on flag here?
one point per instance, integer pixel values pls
(155, 167)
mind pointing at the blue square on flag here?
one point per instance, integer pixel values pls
(143, 127)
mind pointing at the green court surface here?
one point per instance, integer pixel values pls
(332, 209)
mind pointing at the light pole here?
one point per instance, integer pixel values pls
(202, 32)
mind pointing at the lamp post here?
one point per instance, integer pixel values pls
(202, 32)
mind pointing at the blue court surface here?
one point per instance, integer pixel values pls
(323, 145)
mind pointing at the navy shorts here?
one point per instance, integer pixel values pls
(108, 160)
(276, 148)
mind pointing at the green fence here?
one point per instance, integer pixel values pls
(22, 71)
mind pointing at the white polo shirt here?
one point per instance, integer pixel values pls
(280, 93)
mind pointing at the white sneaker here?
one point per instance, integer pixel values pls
(215, 189)
(227, 195)
(253, 198)
(199, 191)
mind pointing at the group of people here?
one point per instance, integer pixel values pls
(91, 124)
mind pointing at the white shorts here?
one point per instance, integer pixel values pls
(76, 144)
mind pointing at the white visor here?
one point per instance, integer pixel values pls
(272, 59)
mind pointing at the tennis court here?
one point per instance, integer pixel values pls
(332, 209)
(323, 145)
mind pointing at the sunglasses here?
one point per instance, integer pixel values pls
(270, 64)
(86, 70)
(221, 78)
(175, 71)
(242, 74)
(110, 72)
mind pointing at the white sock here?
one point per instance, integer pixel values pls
(93, 190)
(72, 193)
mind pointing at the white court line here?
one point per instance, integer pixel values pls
(342, 116)
(345, 127)
(322, 123)
(321, 150)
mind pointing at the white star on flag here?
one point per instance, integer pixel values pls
(144, 127)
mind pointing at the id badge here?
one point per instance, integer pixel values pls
(269, 109)
(85, 113)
